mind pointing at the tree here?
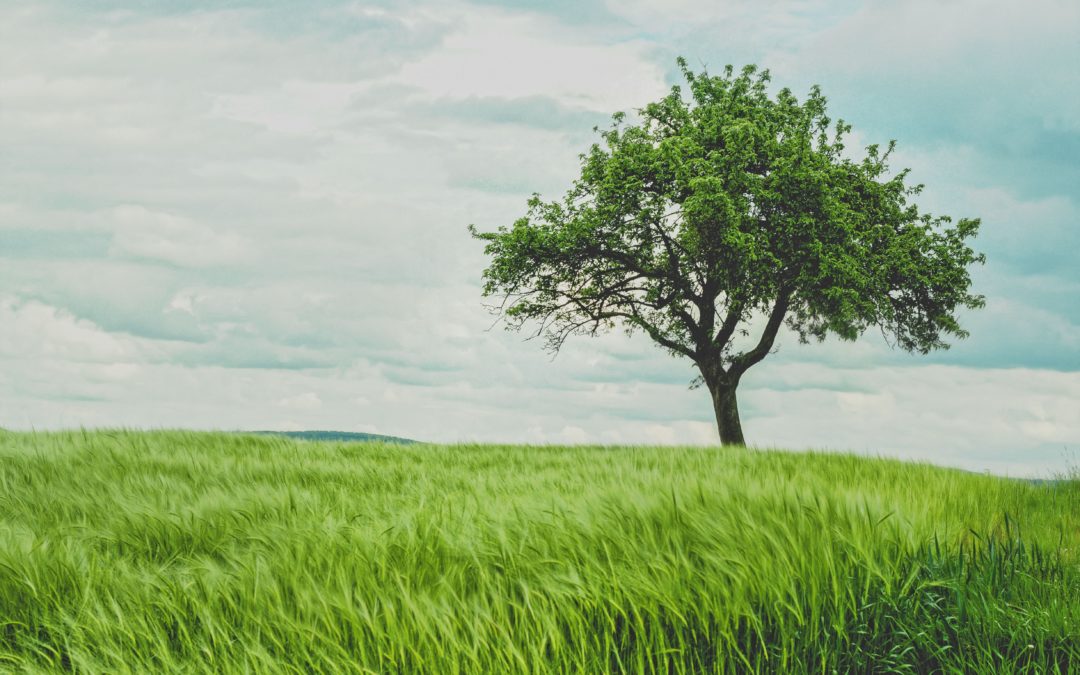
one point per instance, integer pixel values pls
(726, 213)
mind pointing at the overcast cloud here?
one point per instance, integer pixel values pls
(241, 215)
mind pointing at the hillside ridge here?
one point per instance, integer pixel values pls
(334, 436)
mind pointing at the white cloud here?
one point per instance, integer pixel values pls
(142, 233)
(308, 400)
(35, 330)
(1018, 421)
(496, 53)
(572, 435)
(861, 404)
(296, 107)
(182, 302)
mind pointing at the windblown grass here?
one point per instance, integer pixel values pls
(196, 552)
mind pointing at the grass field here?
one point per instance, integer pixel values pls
(196, 552)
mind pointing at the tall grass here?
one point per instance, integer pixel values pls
(195, 552)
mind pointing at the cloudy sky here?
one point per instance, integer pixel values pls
(252, 214)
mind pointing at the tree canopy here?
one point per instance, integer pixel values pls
(707, 216)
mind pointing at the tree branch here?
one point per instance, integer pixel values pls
(742, 362)
(731, 322)
(655, 333)
(671, 275)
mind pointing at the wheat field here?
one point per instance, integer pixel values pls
(181, 552)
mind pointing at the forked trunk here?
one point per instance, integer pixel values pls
(726, 407)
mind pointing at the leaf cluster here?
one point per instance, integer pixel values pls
(723, 203)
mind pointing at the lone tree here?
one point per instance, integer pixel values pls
(713, 221)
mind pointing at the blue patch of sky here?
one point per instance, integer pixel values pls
(254, 353)
(571, 12)
(51, 244)
(541, 112)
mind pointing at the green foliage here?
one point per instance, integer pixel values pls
(127, 552)
(728, 204)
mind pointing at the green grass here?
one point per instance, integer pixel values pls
(197, 552)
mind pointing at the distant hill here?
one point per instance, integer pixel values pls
(336, 436)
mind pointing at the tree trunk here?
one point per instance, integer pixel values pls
(727, 412)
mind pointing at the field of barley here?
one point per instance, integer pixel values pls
(162, 552)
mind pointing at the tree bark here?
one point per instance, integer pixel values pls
(726, 407)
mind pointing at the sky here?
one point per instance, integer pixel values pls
(252, 215)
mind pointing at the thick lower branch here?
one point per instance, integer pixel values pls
(742, 362)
